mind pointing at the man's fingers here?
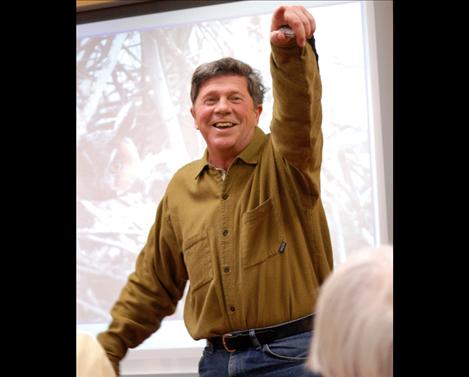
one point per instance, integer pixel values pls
(308, 21)
(298, 27)
(277, 36)
(300, 23)
(312, 23)
(298, 19)
(278, 18)
(307, 25)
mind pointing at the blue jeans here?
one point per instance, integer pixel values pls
(282, 358)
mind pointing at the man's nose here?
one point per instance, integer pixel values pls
(223, 106)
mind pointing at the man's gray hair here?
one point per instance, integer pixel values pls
(228, 67)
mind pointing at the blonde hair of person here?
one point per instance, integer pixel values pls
(353, 327)
(91, 358)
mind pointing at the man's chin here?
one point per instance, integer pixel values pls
(222, 146)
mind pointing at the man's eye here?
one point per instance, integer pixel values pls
(209, 101)
(236, 99)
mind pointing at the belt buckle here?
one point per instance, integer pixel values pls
(223, 338)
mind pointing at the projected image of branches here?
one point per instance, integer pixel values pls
(121, 171)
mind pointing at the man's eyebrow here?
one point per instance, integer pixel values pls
(211, 93)
(216, 93)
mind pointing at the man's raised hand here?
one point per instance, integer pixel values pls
(298, 19)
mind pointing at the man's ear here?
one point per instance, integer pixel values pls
(193, 116)
(258, 112)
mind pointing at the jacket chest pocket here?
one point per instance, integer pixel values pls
(261, 234)
(198, 262)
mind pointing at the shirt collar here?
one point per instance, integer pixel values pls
(249, 155)
(200, 165)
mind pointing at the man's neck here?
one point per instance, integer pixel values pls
(223, 159)
(220, 162)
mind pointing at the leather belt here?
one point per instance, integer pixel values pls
(241, 340)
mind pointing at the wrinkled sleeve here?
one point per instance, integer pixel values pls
(151, 293)
(297, 113)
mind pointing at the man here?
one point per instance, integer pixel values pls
(245, 224)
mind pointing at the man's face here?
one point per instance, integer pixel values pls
(225, 114)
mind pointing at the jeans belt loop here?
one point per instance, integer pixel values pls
(255, 341)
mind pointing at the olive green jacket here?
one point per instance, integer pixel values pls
(255, 247)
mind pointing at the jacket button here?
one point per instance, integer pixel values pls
(225, 232)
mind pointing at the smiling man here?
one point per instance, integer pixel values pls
(245, 224)
(224, 110)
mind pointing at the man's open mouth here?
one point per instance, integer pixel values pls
(223, 125)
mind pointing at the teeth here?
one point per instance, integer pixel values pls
(223, 125)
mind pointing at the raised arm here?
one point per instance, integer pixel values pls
(297, 113)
